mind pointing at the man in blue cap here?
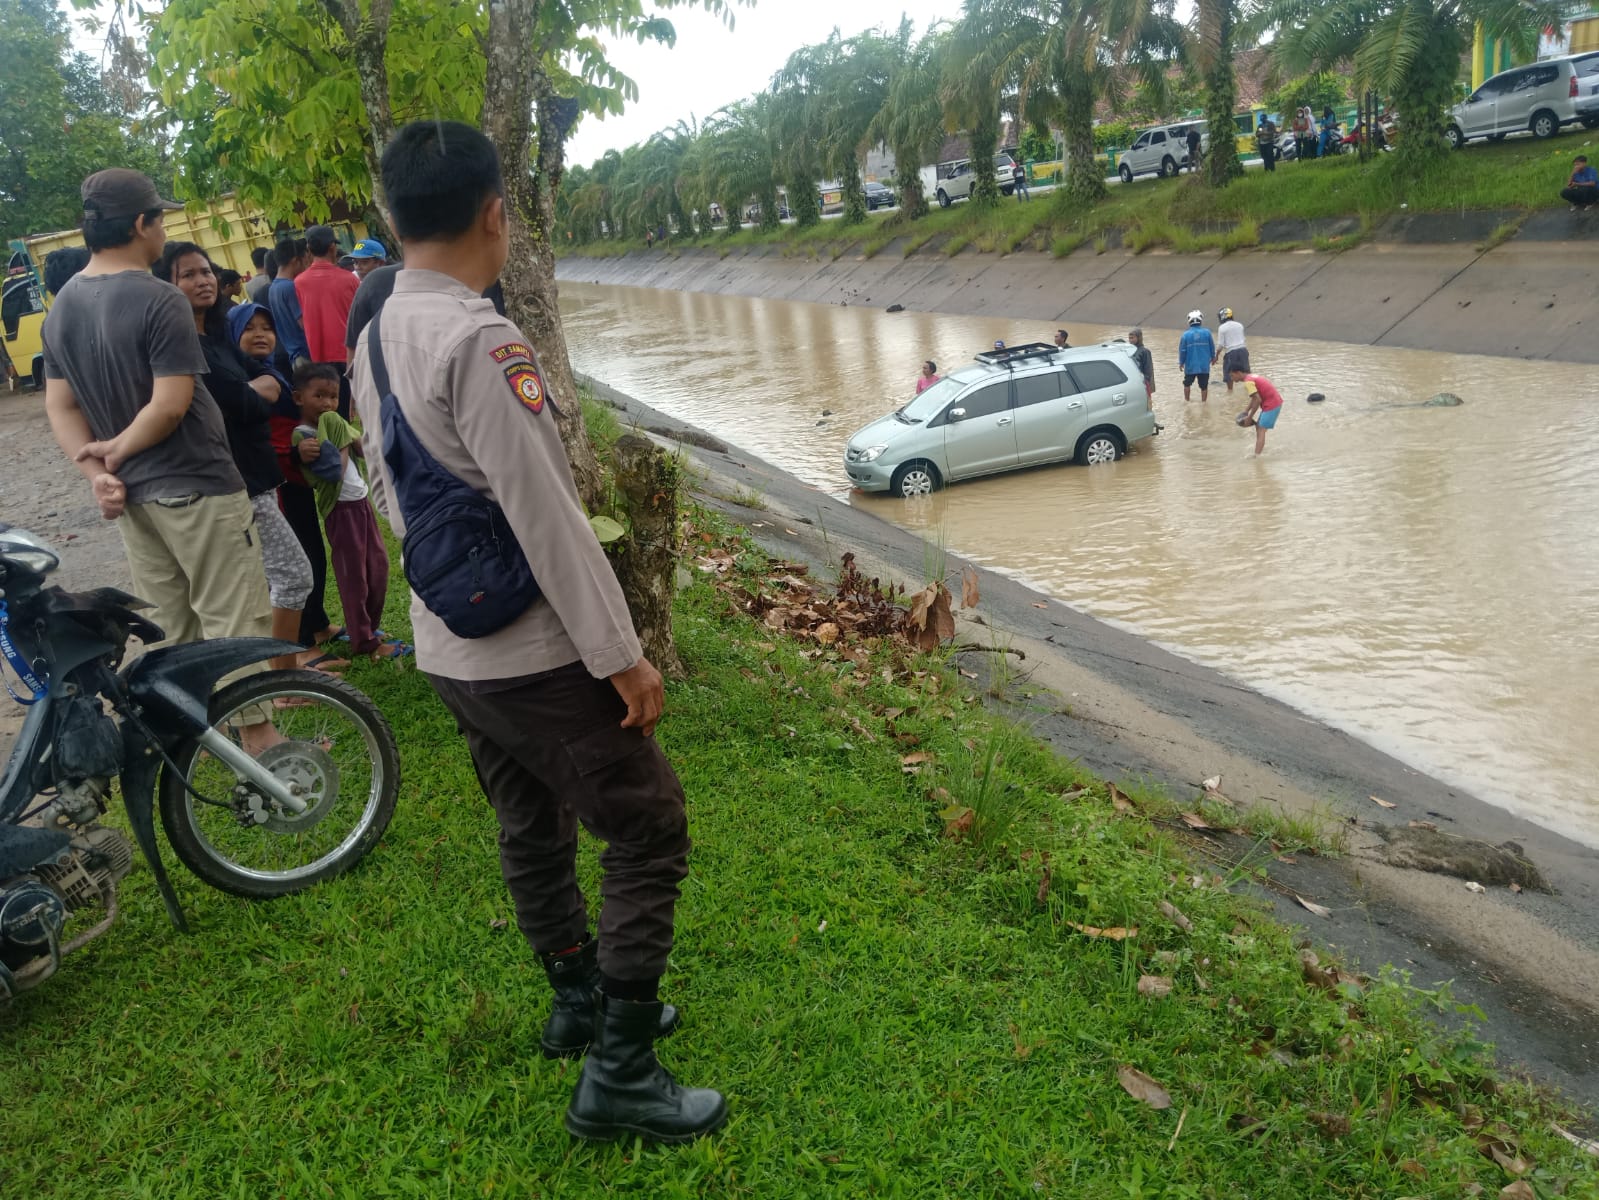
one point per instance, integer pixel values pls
(365, 256)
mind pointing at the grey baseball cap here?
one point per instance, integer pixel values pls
(120, 192)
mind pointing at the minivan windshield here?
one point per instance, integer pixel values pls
(929, 403)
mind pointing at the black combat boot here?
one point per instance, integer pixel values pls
(624, 1090)
(575, 976)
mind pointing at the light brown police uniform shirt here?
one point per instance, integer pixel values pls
(470, 387)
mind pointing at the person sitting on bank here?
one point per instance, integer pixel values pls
(1582, 189)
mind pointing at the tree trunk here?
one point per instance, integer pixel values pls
(1216, 18)
(1422, 98)
(646, 563)
(529, 279)
(854, 198)
(1085, 183)
(767, 199)
(802, 199)
(512, 88)
(912, 200)
(369, 40)
(985, 136)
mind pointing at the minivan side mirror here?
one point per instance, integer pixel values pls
(955, 414)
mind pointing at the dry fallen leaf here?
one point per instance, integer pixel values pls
(1321, 910)
(1382, 802)
(1514, 886)
(1474, 886)
(1520, 1190)
(1213, 784)
(1176, 917)
(1115, 933)
(827, 633)
(1192, 820)
(966, 674)
(1118, 800)
(969, 595)
(1423, 825)
(1141, 1087)
(1512, 1162)
(1333, 1125)
(1040, 606)
(1154, 986)
(498, 923)
(916, 759)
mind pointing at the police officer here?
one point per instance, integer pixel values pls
(558, 707)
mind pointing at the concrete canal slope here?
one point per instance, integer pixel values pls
(1419, 283)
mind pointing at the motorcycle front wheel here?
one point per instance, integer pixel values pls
(330, 742)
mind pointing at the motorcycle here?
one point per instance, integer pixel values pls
(306, 807)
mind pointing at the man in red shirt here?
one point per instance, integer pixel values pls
(1265, 402)
(325, 293)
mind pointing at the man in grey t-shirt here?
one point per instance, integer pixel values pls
(122, 366)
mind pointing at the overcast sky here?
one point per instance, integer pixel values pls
(712, 66)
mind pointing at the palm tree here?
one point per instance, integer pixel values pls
(970, 88)
(1214, 25)
(855, 89)
(799, 116)
(1064, 56)
(1407, 50)
(911, 120)
(738, 162)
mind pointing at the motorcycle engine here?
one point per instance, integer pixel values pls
(34, 907)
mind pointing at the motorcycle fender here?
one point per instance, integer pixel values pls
(142, 763)
(173, 684)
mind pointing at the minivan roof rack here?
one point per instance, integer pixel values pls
(1015, 354)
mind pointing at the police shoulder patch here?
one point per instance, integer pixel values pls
(526, 383)
(510, 350)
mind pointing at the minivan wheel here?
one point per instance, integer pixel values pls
(1126, 173)
(917, 478)
(1097, 449)
(943, 198)
(1454, 137)
(1168, 167)
(1545, 124)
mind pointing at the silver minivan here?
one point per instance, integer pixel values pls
(1541, 97)
(1020, 407)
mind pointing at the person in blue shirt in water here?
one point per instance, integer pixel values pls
(1195, 352)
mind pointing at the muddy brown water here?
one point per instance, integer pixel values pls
(1426, 578)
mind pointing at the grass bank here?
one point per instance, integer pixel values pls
(923, 956)
(1520, 174)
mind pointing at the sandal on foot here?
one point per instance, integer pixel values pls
(336, 633)
(390, 652)
(330, 664)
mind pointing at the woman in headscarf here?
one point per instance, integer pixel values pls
(246, 402)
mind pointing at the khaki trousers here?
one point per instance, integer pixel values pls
(200, 565)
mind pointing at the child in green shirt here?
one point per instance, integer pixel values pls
(360, 562)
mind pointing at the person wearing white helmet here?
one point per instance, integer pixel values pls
(1196, 353)
(1230, 349)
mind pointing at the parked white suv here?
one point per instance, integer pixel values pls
(1162, 150)
(1541, 97)
(955, 180)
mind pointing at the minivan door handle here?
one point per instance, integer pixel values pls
(1004, 421)
(1075, 404)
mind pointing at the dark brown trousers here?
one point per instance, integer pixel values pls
(550, 753)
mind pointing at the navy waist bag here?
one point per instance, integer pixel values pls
(461, 558)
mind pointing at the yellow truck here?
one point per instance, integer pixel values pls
(227, 229)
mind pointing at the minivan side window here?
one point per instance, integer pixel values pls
(1143, 140)
(1035, 389)
(1097, 373)
(1493, 88)
(984, 402)
(1157, 137)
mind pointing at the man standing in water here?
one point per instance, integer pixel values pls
(1230, 345)
(1195, 354)
(559, 706)
(1265, 402)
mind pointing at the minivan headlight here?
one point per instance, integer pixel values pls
(872, 453)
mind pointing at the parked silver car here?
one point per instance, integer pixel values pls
(1019, 407)
(955, 179)
(1541, 97)
(1162, 150)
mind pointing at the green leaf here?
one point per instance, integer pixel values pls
(607, 529)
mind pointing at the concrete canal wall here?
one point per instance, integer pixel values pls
(1418, 283)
